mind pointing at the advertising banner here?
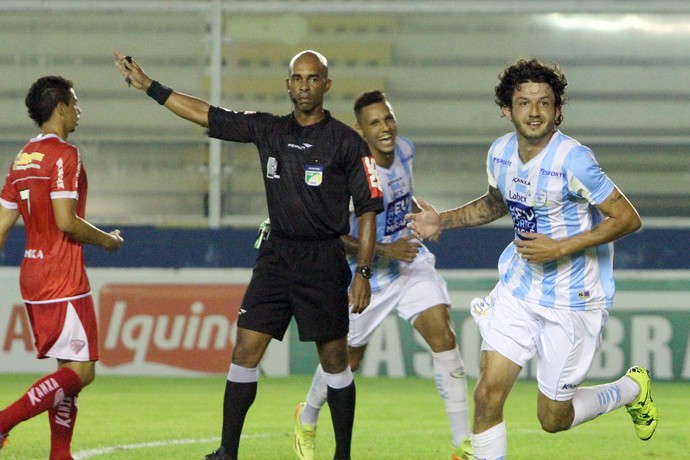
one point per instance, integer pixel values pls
(182, 322)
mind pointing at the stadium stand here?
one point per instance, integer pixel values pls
(627, 88)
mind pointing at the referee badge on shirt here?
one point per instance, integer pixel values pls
(313, 174)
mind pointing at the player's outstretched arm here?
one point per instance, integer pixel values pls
(485, 209)
(185, 106)
(426, 222)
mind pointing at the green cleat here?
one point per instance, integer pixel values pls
(643, 410)
(305, 435)
(463, 451)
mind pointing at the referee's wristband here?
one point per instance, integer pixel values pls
(159, 92)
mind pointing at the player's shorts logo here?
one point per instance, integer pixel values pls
(481, 307)
(76, 345)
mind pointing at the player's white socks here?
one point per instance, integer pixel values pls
(239, 374)
(340, 380)
(318, 392)
(451, 381)
(491, 444)
(590, 402)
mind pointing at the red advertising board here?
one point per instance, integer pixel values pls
(187, 326)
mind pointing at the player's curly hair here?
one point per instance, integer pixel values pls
(44, 95)
(531, 70)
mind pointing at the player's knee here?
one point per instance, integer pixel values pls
(485, 399)
(356, 355)
(488, 409)
(247, 356)
(86, 374)
(88, 378)
(553, 422)
(551, 426)
(333, 363)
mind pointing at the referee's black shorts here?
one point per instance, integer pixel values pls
(307, 279)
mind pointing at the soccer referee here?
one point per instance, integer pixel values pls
(312, 166)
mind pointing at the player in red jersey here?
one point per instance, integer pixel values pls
(46, 185)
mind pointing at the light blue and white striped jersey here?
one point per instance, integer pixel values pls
(554, 194)
(397, 184)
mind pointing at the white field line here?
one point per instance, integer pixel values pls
(101, 451)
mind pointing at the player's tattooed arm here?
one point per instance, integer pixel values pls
(483, 210)
(615, 197)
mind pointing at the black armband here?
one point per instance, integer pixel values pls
(159, 92)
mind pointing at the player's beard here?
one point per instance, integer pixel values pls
(535, 136)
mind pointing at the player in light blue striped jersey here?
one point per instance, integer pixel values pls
(556, 277)
(403, 280)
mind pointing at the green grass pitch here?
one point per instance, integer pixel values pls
(145, 418)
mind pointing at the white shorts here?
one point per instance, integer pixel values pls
(418, 288)
(65, 329)
(564, 341)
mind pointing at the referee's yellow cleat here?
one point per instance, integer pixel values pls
(304, 437)
(643, 411)
(463, 451)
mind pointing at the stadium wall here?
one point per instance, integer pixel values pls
(167, 305)
(478, 248)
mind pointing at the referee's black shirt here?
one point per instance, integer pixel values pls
(310, 172)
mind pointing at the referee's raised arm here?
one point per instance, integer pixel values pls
(185, 106)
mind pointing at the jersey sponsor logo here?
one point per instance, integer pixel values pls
(303, 146)
(38, 392)
(373, 177)
(188, 327)
(63, 413)
(60, 173)
(33, 254)
(583, 295)
(26, 161)
(272, 168)
(516, 196)
(545, 172)
(524, 217)
(395, 214)
(313, 175)
(501, 161)
(520, 180)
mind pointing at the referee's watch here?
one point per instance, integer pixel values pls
(365, 271)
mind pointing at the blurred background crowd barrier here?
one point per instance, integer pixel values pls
(627, 64)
